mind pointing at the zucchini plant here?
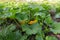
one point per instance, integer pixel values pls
(27, 21)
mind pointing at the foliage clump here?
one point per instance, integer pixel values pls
(27, 21)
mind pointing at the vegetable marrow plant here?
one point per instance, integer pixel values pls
(28, 21)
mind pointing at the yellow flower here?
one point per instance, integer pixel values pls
(22, 22)
(32, 22)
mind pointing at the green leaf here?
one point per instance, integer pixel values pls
(57, 15)
(56, 27)
(51, 38)
(1, 21)
(31, 29)
(21, 17)
(49, 20)
(40, 36)
(41, 14)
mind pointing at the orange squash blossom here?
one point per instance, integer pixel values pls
(32, 22)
